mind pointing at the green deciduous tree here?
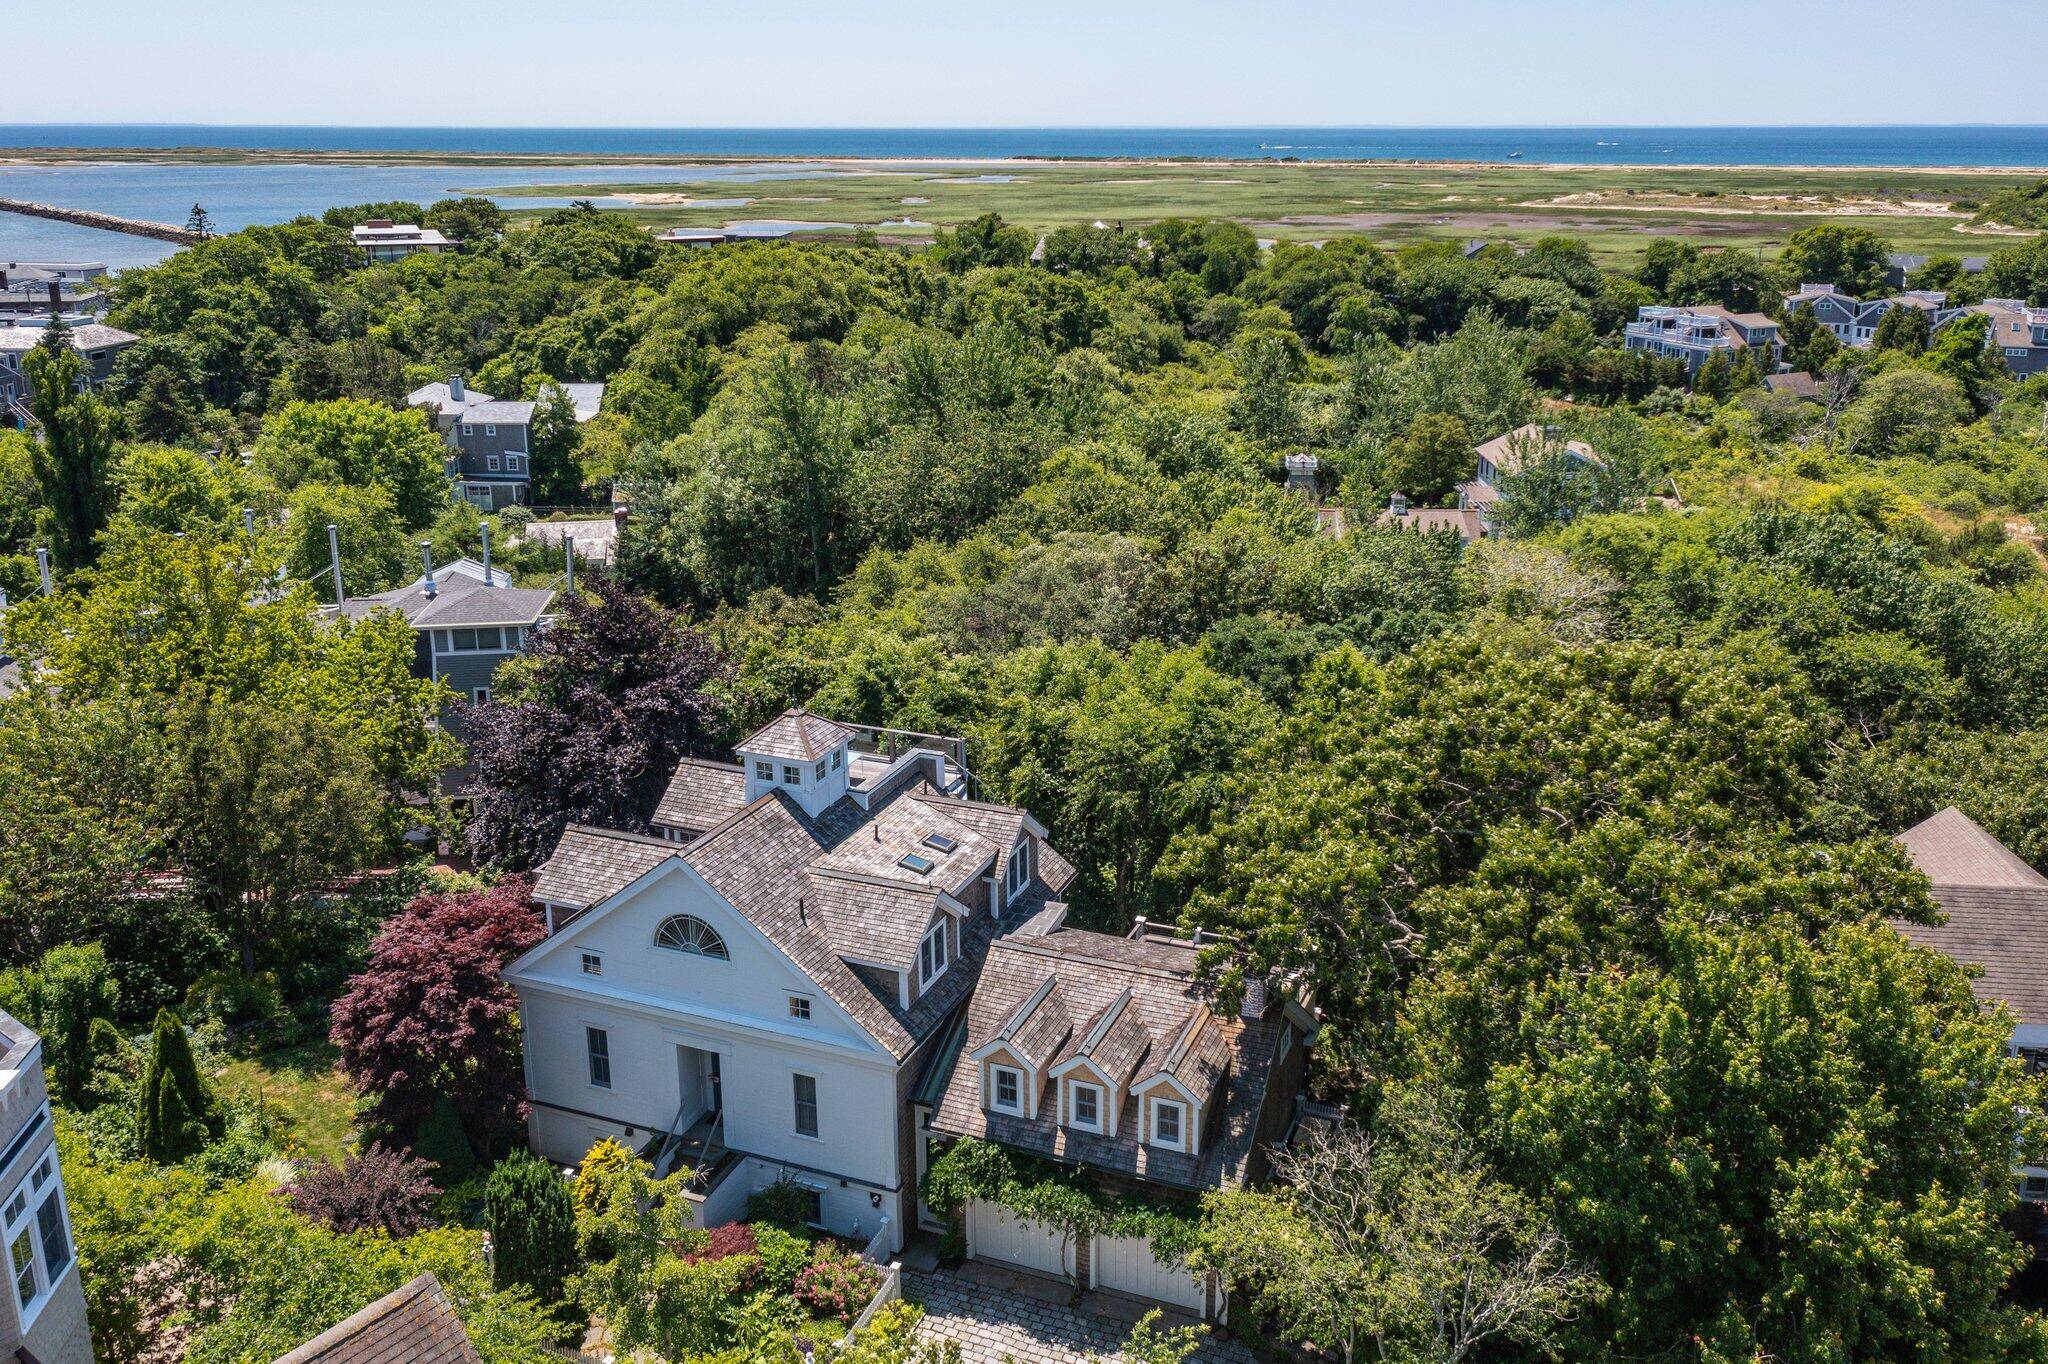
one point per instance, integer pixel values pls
(74, 457)
(361, 444)
(61, 997)
(1853, 259)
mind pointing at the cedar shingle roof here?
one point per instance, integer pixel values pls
(796, 735)
(590, 865)
(458, 599)
(411, 1325)
(1951, 849)
(1114, 1040)
(702, 795)
(1996, 909)
(1090, 972)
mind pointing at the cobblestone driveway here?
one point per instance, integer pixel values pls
(992, 1322)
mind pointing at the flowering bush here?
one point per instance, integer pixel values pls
(837, 1282)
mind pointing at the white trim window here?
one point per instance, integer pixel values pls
(804, 1094)
(688, 933)
(800, 1008)
(593, 962)
(598, 1043)
(792, 775)
(1169, 1124)
(1006, 1089)
(491, 464)
(931, 955)
(764, 770)
(38, 1237)
(1018, 875)
(481, 695)
(1084, 1103)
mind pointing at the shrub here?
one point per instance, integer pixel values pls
(381, 1190)
(604, 1159)
(732, 1241)
(785, 1203)
(239, 1002)
(783, 1256)
(837, 1282)
(532, 1220)
(175, 1112)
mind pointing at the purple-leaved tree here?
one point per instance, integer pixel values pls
(590, 727)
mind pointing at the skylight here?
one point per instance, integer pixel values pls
(918, 864)
(941, 843)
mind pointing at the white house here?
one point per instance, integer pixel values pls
(756, 992)
(1997, 910)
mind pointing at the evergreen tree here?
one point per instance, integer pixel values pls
(175, 1113)
(68, 992)
(72, 460)
(532, 1218)
(198, 221)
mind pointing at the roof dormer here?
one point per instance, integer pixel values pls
(800, 754)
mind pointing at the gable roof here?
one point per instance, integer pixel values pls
(1227, 1059)
(459, 600)
(1505, 451)
(1995, 908)
(796, 735)
(591, 865)
(414, 1324)
(1113, 1041)
(1951, 849)
(702, 795)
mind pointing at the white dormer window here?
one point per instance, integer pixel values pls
(1169, 1124)
(1084, 1103)
(1019, 874)
(792, 775)
(1006, 1089)
(931, 956)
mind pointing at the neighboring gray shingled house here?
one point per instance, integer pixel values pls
(1995, 909)
(1855, 321)
(465, 627)
(412, 1324)
(1695, 333)
(755, 990)
(96, 343)
(490, 442)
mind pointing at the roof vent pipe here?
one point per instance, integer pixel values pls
(334, 561)
(249, 522)
(486, 528)
(427, 558)
(43, 568)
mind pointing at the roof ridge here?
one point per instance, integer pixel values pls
(870, 879)
(354, 1322)
(726, 825)
(1189, 1030)
(1110, 1013)
(1024, 1011)
(1035, 947)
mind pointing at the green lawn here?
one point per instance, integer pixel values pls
(304, 1082)
(1616, 209)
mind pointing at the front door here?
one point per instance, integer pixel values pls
(714, 1096)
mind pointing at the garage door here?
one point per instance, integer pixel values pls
(1125, 1264)
(993, 1234)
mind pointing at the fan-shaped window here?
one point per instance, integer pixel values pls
(688, 933)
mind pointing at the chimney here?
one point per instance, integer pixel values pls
(1398, 504)
(334, 562)
(486, 528)
(56, 298)
(456, 391)
(427, 557)
(1254, 1005)
(43, 568)
(377, 222)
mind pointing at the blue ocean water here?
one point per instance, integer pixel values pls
(237, 196)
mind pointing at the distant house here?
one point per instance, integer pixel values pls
(1696, 333)
(587, 398)
(2018, 334)
(1854, 321)
(412, 1324)
(96, 343)
(1796, 382)
(43, 1318)
(380, 239)
(1465, 521)
(695, 236)
(1996, 909)
(41, 288)
(466, 620)
(1495, 460)
(490, 442)
(1899, 267)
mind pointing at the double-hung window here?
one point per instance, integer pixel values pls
(931, 955)
(1086, 1102)
(804, 1090)
(1019, 874)
(599, 1043)
(1007, 1086)
(38, 1237)
(1168, 1121)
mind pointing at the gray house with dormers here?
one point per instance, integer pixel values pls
(489, 442)
(467, 620)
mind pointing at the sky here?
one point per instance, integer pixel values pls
(969, 63)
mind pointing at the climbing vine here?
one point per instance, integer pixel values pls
(1058, 1197)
